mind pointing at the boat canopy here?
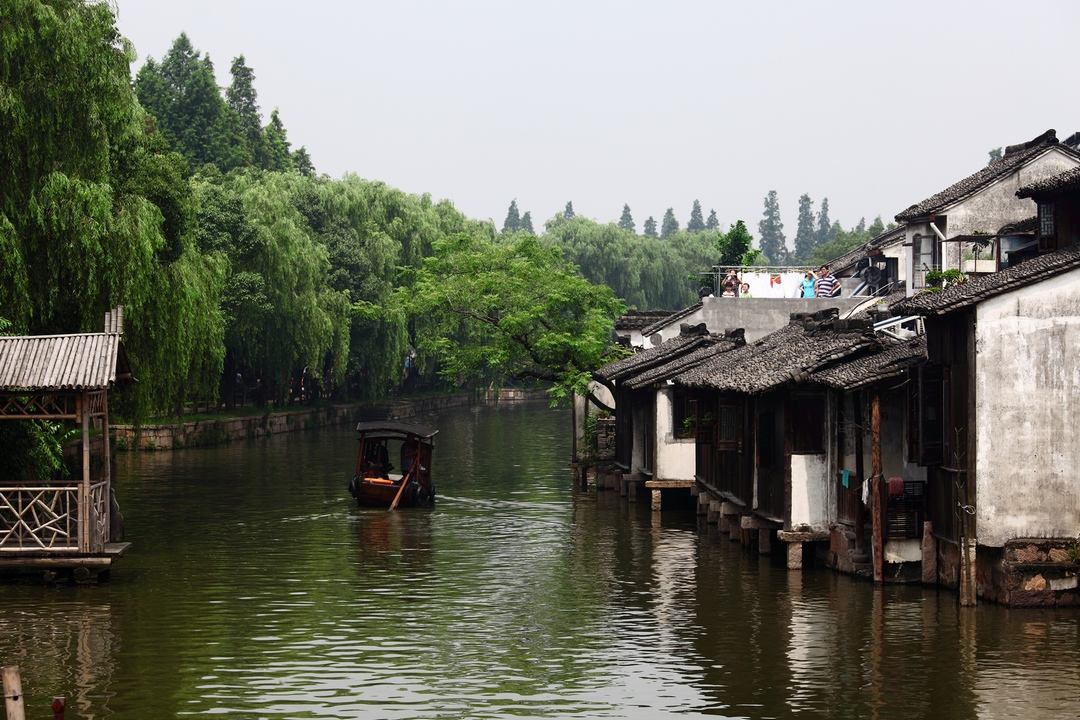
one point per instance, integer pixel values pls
(387, 430)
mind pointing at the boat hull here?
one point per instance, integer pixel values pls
(377, 492)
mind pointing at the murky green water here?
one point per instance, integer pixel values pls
(257, 590)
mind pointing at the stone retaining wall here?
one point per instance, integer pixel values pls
(201, 433)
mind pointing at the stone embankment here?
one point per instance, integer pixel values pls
(217, 431)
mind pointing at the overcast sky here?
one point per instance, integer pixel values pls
(649, 103)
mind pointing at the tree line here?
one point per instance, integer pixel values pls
(817, 238)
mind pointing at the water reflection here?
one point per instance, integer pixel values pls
(256, 588)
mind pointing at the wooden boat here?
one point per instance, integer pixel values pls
(375, 484)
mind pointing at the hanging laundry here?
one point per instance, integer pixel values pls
(866, 493)
(845, 478)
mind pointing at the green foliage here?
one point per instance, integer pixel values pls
(642, 270)
(771, 232)
(805, 237)
(95, 210)
(558, 329)
(649, 228)
(713, 223)
(527, 224)
(995, 154)
(512, 223)
(844, 241)
(669, 225)
(568, 212)
(824, 226)
(736, 246)
(276, 145)
(242, 100)
(938, 280)
(626, 220)
(183, 96)
(697, 222)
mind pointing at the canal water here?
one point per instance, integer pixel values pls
(257, 590)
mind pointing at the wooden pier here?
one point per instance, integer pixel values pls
(63, 524)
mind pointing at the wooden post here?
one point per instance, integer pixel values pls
(875, 487)
(860, 472)
(108, 466)
(657, 499)
(84, 488)
(13, 696)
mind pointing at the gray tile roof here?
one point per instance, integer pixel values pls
(1015, 157)
(645, 359)
(637, 319)
(891, 362)
(683, 362)
(956, 297)
(790, 354)
(1068, 180)
(849, 259)
(672, 318)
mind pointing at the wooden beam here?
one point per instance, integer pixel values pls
(668, 484)
(84, 487)
(13, 695)
(875, 487)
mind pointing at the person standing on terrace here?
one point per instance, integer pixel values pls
(827, 286)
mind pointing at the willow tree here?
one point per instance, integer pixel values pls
(94, 209)
(558, 330)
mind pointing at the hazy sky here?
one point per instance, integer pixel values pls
(650, 103)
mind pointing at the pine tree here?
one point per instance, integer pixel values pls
(771, 231)
(243, 101)
(182, 94)
(649, 228)
(276, 141)
(301, 161)
(861, 226)
(513, 219)
(626, 221)
(713, 223)
(526, 223)
(568, 213)
(876, 228)
(697, 221)
(669, 225)
(824, 224)
(805, 236)
(995, 155)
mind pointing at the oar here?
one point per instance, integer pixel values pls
(404, 482)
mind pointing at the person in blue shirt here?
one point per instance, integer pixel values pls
(808, 284)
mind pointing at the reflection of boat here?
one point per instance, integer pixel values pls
(374, 484)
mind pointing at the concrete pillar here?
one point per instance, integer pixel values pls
(735, 529)
(764, 541)
(656, 499)
(703, 504)
(724, 523)
(632, 490)
(714, 512)
(622, 485)
(929, 554)
(794, 556)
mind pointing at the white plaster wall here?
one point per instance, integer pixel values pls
(637, 339)
(675, 457)
(810, 491)
(996, 205)
(1027, 412)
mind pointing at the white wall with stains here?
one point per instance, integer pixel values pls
(675, 457)
(1027, 412)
